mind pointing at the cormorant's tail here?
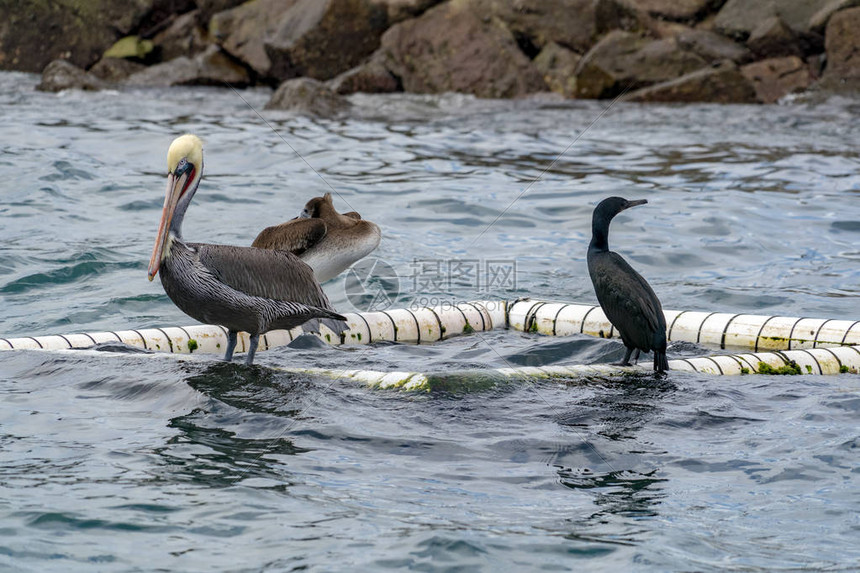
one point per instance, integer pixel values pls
(661, 363)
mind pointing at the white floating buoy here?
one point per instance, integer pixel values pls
(814, 345)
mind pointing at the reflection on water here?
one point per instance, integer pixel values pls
(215, 457)
(142, 462)
(240, 435)
(625, 490)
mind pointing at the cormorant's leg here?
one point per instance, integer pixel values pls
(626, 361)
(231, 345)
(252, 348)
(636, 356)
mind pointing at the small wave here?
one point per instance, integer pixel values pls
(65, 171)
(63, 275)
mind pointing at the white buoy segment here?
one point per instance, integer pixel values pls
(412, 326)
(724, 330)
(810, 361)
(425, 325)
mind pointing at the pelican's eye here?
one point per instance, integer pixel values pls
(182, 165)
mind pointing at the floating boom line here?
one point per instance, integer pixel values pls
(818, 346)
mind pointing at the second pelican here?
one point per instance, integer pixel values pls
(330, 242)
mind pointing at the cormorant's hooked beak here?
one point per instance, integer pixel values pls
(176, 187)
(635, 203)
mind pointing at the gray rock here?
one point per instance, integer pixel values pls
(211, 68)
(178, 71)
(63, 75)
(34, 33)
(399, 10)
(712, 47)
(322, 38)
(370, 77)
(307, 96)
(843, 51)
(674, 9)
(115, 70)
(574, 24)
(773, 38)
(183, 37)
(776, 77)
(818, 21)
(622, 60)
(738, 18)
(241, 31)
(558, 67)
(217, 69)
(450, 48)
(724, 84)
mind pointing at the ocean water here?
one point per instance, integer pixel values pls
(121, 461)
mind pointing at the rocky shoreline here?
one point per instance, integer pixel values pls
(317, 51)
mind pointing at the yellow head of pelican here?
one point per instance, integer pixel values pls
(188, 147)
(184, 167)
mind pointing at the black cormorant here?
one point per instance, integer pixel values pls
(625, 297)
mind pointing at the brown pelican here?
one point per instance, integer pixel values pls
(625, 297)
(240, 288)
(326, 240)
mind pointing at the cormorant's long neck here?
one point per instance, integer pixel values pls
(599, 234)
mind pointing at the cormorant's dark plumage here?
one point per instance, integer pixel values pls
(625, 297)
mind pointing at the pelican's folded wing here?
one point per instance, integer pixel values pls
(274, 274)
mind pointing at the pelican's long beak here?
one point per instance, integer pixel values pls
(175, 188)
